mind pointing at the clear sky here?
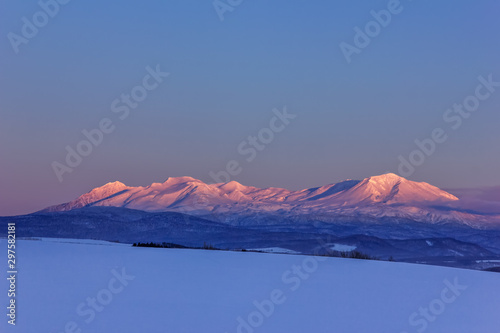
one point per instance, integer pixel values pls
(353, 119)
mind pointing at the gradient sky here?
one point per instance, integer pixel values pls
(354, 120)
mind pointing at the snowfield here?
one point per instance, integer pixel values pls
(71, 286)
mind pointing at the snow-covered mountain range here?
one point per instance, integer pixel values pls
(385, 196)
(383, 216)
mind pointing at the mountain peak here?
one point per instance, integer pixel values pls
(183, 179)
(231, 186)
(107, 189)
(387, 177)
(114, 184)
(391, 188)
(104, 191)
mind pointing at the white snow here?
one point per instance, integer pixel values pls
(343, 247)
(372, 196)
(391, 188)
(180, 290)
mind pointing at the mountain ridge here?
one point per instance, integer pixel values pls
(387, 195)
(384, 188)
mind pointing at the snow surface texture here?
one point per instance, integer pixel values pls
(175, 290)
(380, 196)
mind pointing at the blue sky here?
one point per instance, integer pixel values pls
(353, 119)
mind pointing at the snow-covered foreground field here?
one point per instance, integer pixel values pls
(106, 287)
